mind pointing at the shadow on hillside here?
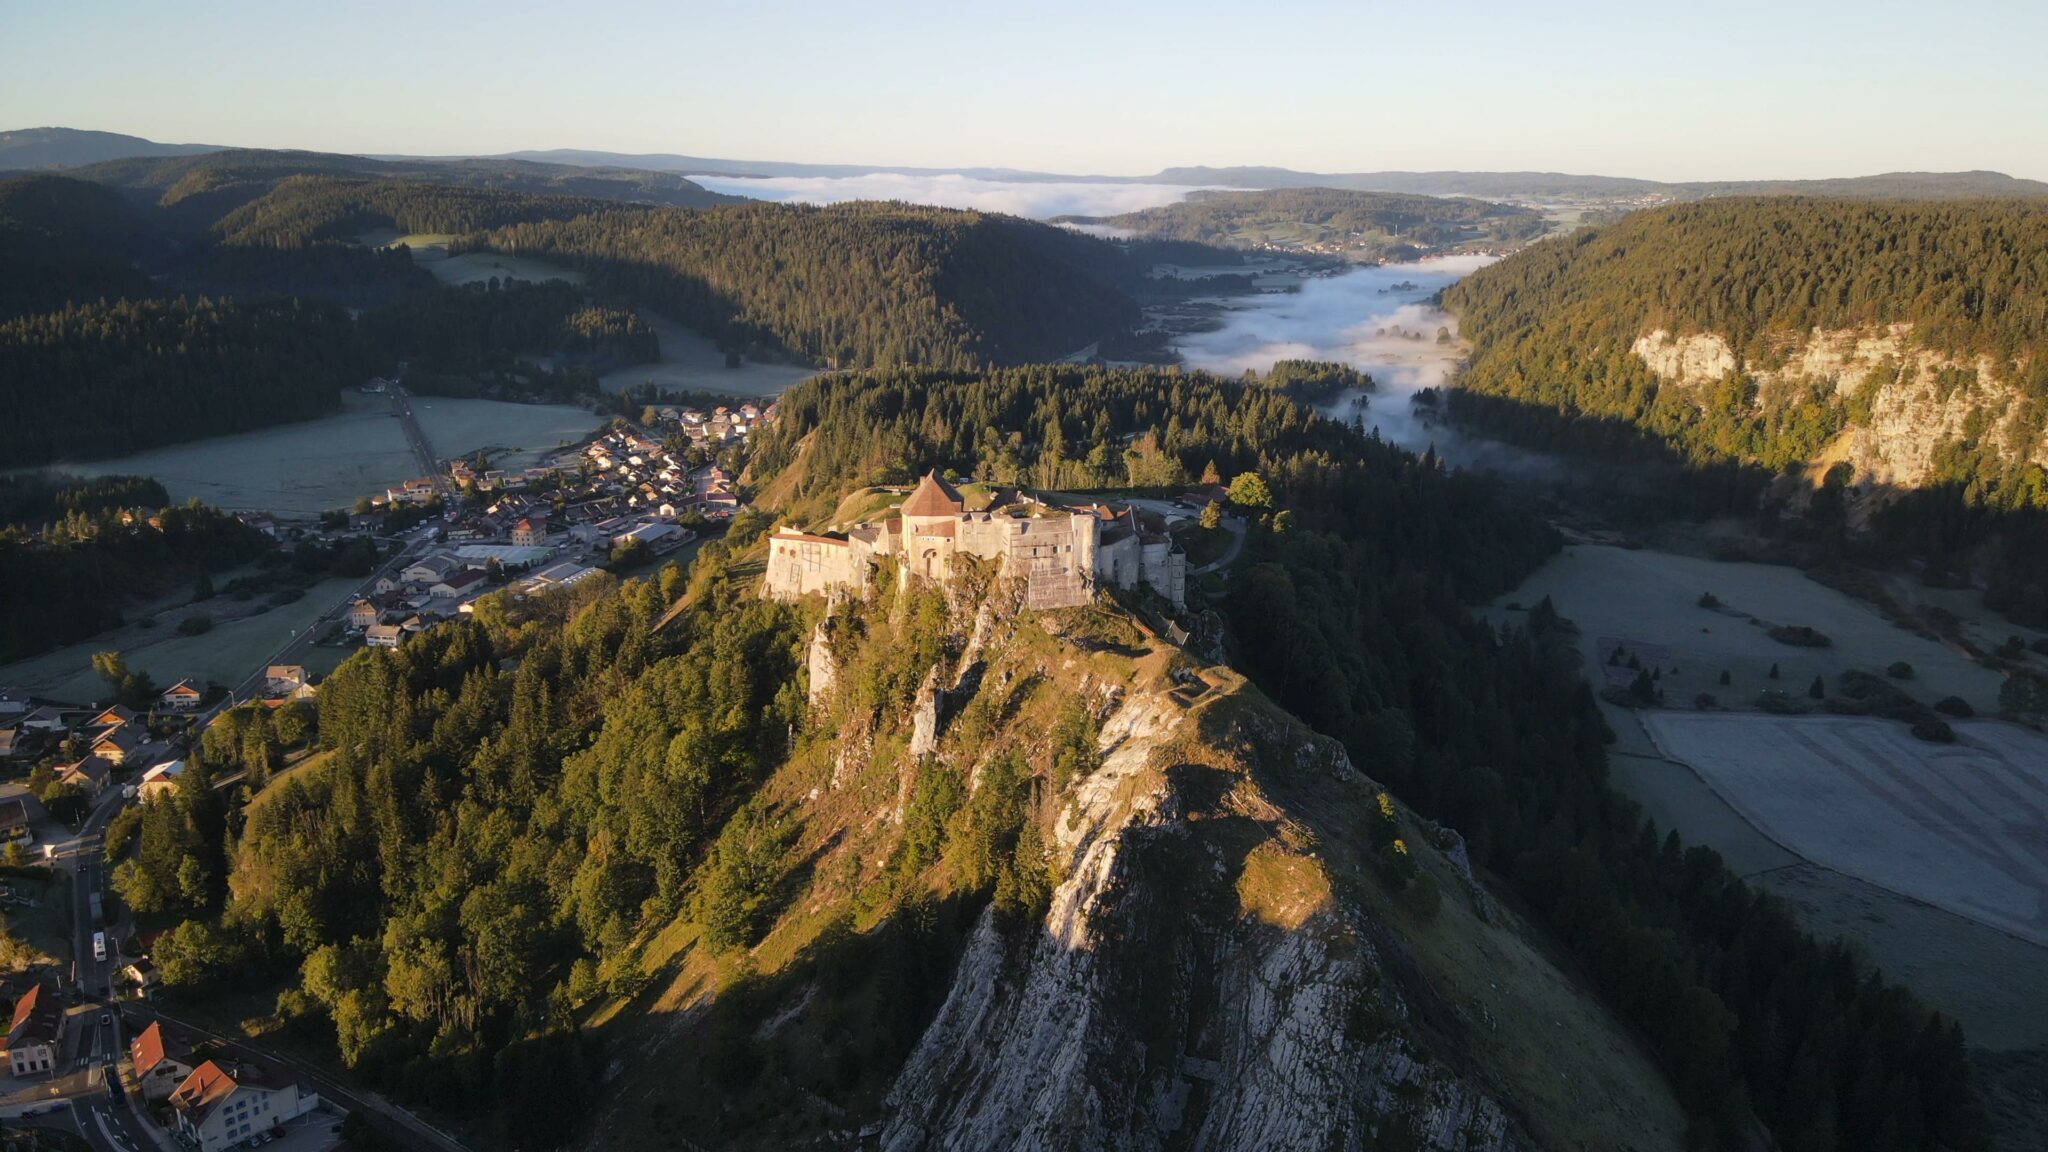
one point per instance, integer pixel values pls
(787, 1056)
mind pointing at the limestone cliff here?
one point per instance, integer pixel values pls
(1905, 402)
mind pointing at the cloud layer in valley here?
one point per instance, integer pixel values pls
(1038, 200)
(1352, 318)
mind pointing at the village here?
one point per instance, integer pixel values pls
(629, 497)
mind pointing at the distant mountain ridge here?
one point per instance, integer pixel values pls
(31, 148)
(69, 147)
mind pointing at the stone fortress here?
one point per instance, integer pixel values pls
(1061, 554)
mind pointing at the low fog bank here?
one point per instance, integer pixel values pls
(1367, 318)
(1034, 199)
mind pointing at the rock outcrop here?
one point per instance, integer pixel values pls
(1906, 401)
(1149, 1011)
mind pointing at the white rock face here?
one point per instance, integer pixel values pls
(1144, 1013)
(823, 667)
(1935, 399)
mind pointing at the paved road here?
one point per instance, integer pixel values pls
(422, 448)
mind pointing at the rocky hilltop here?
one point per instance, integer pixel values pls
(1209, 929)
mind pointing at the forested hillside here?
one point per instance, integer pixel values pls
(118, 333)
(1561, 327)
(202, 188)
(63, 240)
(105, 379)
(1895, 348)
(850, 284)
(1369, 225)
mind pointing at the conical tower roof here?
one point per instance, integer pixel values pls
(934, 497)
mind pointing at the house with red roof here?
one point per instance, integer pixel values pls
(37, 1031)
(224, 1102)
(162, 1061)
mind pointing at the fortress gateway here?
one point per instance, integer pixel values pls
(1060, 553)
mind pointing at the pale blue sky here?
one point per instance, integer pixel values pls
(1702, 90)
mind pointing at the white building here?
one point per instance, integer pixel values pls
(221, 1104)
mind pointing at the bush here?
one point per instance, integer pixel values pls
(1934, 731)
(1709, 600)
(1954, 706)
(1705, 702)
(1899, 670)
(1800, 636)
(196, 624)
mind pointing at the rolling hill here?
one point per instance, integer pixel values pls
(1366, 225)
(30, 148)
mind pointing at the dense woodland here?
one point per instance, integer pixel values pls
(63, 240)
(106, 379)
(850, 284)
(1377, 223)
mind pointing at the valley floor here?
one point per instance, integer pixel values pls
(1929, 857)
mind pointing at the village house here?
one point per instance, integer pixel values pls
(13, 702)
(37, 1033)
(45, 719)
(383, 635)
(658, 539)
(530, 532)
(114, 717)
(284, 679)
(1060, 554)
(143, 973)
(184, 696)
(222, 1103)
(161, 780)
(118, 743)
(14, 825)
(160, 1060)
(363, 614)
(89, 775)
(419, 491)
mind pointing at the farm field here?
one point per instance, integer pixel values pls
(293, 469)
(525, 432)
(431, 249)
(311, 467)
(1962, 826)
(227, 653)
(690, 361)
(1994, 984)
(1645, 598)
